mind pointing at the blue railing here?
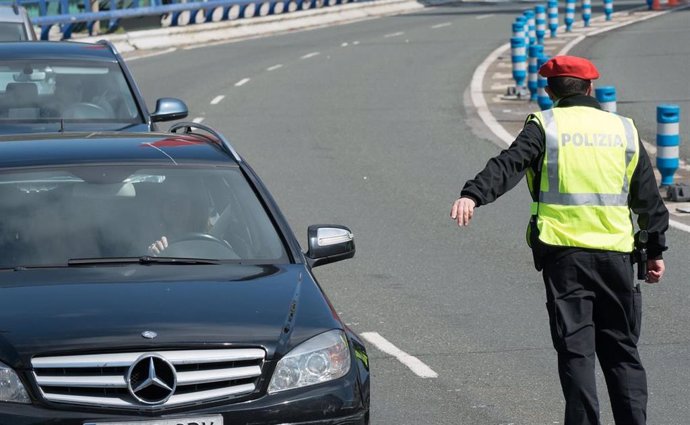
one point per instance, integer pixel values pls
(70, 15)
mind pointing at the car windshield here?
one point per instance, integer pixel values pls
(37, 94)
(51, 216)
(12, 31)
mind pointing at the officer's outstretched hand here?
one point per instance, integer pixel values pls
(655, 270)
(462, 211)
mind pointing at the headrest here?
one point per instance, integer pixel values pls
(22, 92)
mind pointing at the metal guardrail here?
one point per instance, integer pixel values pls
(174, 13)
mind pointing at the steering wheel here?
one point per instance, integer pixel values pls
(84, 110)
(198, 236)
(210, 247)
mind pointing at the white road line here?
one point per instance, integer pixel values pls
(216, 100)
(502, 76)
(678, 225)
(310, 55)
(198, 120)
(355, 43)
(395, 34)
(479, 100)
(274, 67)
(150, 55)
(445, 24)
(480, 17)
(242, 82)
(344, 44)
(413, 363)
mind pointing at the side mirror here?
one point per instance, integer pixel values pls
(169, 109)
(329, 243)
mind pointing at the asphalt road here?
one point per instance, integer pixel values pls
(374, 132)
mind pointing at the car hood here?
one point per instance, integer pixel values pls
(46, 312)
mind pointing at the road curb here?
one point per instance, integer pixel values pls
(254, 27)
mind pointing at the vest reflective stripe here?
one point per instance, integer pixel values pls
(553, 196)
(585, 179)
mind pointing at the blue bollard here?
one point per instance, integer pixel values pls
(534, 51)
(608, 9)
(525, 23)
(569, 14)
(586, 11)
(518, 29)
(606, 95)
(553, 17)
(540, 22)
(518, 56)
(529, 16)
(521, 20)
(543, 98)
(667, 141)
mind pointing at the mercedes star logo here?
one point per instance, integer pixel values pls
(152, 379)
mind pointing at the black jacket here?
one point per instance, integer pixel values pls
(504, 171)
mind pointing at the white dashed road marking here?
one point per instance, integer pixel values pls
(274, 67)
(216, 100)
(485, 16)
(395, 34)
(242, 82)
(413, 363)
(198, 120)
(445, 24)
(310, 55)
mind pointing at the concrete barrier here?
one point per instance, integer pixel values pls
(164, 38)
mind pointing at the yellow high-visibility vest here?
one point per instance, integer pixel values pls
(589, 159)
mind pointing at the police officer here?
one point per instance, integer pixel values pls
(586, 170)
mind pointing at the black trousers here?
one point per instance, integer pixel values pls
(594, 308)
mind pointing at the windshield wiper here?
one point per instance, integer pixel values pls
(139, 260)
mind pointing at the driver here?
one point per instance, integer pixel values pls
(182, 212)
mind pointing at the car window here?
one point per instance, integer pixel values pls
(50, 216)
(74, 92)
(12, 31)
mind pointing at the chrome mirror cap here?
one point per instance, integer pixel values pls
(329, 243)
(169, 109)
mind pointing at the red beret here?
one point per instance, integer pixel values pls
(569, 66)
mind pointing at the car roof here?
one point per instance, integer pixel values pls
(10, 13)
(56, 50)
(109, 147)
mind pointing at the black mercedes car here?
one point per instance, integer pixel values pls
(65, 86)
(150, 279)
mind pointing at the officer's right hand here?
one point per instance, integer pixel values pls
(655, 270)
(462, 211)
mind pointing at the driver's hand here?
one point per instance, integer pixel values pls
(158, 246)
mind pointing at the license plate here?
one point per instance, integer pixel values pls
(200, 420)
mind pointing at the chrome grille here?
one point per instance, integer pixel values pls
(101, 379)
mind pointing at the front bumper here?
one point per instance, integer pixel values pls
(334, 403)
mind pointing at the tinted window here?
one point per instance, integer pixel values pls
(12, 31)
(48, 217)
(42, 91)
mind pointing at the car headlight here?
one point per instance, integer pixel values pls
(322, 358)
(11, 388)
